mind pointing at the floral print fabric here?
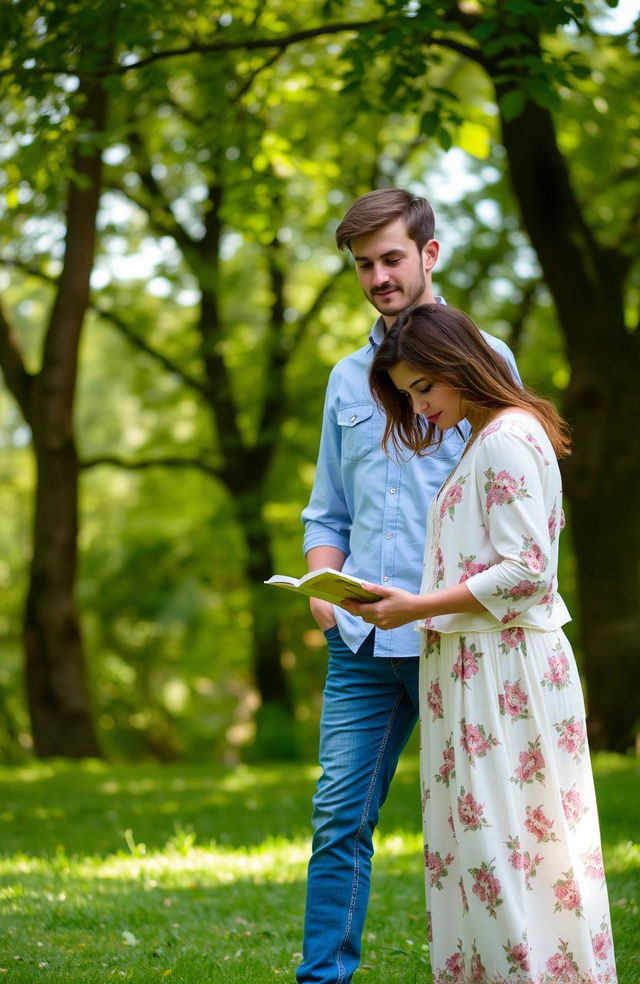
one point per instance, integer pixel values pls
(506, 495)
(515, 883)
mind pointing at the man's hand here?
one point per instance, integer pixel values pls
(396, 607)
(323, 613)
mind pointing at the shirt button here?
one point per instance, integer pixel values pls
(388, 535)
(352, 419)
(392, 491)
(385, 578)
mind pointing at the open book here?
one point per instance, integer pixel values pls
(325, 583)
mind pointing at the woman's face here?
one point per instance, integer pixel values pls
(439, 402)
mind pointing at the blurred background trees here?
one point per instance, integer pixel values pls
(228, 143)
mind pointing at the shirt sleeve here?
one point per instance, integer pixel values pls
(503, 349)
(509, 474)
(326, 518)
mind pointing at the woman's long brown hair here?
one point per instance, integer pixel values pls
(447, 346)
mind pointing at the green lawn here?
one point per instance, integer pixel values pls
(191, 874)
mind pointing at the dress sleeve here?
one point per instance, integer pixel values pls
(510, 471)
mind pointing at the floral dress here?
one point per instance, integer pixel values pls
(516, 889)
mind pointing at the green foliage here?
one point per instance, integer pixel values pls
(189, 873)
(286, 138)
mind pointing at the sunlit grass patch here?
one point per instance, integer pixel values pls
(197, 875)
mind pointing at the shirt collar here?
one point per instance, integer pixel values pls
(377, 332)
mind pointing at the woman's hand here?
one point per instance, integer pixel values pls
(396, 607)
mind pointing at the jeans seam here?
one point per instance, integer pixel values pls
(358, 838)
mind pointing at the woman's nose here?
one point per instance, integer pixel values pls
(419, 403)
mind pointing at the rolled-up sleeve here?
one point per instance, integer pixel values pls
(326, 518)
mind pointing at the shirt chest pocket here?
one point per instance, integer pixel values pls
(356, 426)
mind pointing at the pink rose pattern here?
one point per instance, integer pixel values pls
(431, 643)
(532, 556)
(517, 955)
(469, 566)
(475, 741)
(602, 943)
(540, 825)
(561, 968)
(513, 701)
(531, 439)
(524, 589)
(573, 737)
(593, 865)
(510, 614)
(466, 664)
(437, 866)
(513, 638)
(489, 754)
(503, 489)
(567, 894)
(434, 699)
(522, 861)
(470, 812)
(486, 886)
(574, 808)
(549, 598)
(452, 498)
(438, 568)
(463, 896)
(557, 676)
(492, 428)
(447, 770)
(532, 765)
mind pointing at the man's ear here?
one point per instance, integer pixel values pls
(430, 252)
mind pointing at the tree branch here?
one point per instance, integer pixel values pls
(143, 346)
(195, 48)
(170, 461)
(17, 378)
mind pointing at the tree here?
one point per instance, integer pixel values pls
(226, 92)
(244, 443)
(57, 691)
(523, 51)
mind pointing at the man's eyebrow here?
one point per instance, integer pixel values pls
(397, 250)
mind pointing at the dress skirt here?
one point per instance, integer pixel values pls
(514, 876)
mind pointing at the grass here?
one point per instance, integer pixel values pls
(196, 875)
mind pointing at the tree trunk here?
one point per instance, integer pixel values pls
(55, 667)
(57, 689)
(603, 406)
(275, 718)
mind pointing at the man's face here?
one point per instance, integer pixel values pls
(391, 271)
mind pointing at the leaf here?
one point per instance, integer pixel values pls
(512, 104)
(444, 138)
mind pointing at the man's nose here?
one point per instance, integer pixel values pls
(380, 274)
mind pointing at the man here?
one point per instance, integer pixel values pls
(366, 516)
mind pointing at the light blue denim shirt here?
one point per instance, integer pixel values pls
(370, 505)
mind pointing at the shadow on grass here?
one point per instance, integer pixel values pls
(196, 875)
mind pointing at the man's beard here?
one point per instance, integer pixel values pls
(416, 292)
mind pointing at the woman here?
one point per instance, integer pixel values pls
(515, 883)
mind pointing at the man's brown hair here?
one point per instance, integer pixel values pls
(382, 206)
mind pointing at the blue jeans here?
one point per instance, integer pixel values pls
(369, 711)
